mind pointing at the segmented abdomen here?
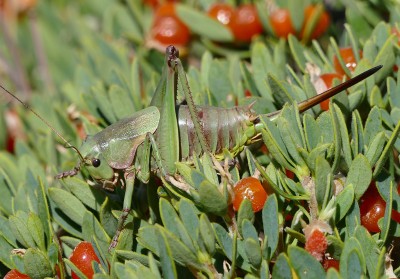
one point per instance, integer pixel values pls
(222, 127)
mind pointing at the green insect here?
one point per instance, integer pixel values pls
(155, 138)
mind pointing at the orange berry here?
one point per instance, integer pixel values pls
(251, 189)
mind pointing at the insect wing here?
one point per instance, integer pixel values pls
(118, 142)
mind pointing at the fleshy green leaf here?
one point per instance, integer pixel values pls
(359, 175)
(68, 203)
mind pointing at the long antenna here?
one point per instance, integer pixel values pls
(309, 103)
(44, 121)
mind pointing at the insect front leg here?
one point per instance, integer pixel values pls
(130, 183)
(163, 173)
(142, 163)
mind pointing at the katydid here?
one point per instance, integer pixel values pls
(155, 138)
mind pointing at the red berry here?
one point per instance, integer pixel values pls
(251, 189)
(167, 28)
(222, 12)
(82, 258)
(166, 9)
(281, 23)
(372, 208)
(322, 23)
(246, 23)
(348, 58)
(247, 93)
(328, 80)
(330, 263)
(289, 174)
(316, 244)
(15, 274)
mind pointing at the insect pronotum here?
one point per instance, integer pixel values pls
(155, 138)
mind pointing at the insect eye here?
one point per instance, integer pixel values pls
(96, 162)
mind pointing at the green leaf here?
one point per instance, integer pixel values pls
(393, 89)
(189, 216)
(203, 25)
(323, 180)
(166, 260)
(91, 197)
(352, 219)
(36, 264)
(181, 232)
(354, 269)
(370, 249)
(282, 269)
(210, 199)
(169, 216)
(344, 201)
(387, 150)
(350, 245)
(245, 213)
(131, 255)
(36, 230)
(264, 270)
(312, 132)
(5, 248)
(344, 135)
(43, 211)
(69, 204)
(147, 236)
(19, 226)
(280, 94)
(230, 248)
(224, 240)
(297, 52)
(107, 219)
(359, 175)
(357, 133)
(305, 265)
(292, 143)
(374, 150)
(332, 273)
(248, 230)
(253, 252)
(207, 234)
(260, 61)
(385, 223)
(386, 58)
(271, 224)
(373, 125)
(296, 11)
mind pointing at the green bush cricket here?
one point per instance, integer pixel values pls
(155, 138)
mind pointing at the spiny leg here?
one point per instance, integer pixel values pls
(176, 64)
(143, 160)
(130, 182)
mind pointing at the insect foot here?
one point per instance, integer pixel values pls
(69, 173)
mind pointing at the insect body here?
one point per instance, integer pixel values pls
(155, 138)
